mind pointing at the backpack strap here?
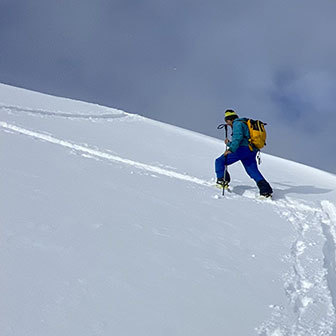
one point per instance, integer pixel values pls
(250, 145)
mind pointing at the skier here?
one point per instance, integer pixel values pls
(238, 149)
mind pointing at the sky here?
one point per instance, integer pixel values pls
(184, 62)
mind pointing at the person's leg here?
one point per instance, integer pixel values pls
(220, 168)
(221, 162)
(251, 167)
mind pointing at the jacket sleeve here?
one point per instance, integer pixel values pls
(237, 137)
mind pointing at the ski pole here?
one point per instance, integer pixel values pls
(225, 158)
(225, 165)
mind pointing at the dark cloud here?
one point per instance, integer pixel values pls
(184, 62)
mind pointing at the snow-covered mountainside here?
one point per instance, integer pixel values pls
(111, 225)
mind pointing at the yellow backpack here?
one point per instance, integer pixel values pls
(257, 133)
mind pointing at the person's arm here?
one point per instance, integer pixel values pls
(237, 137)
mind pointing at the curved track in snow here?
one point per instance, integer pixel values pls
(69, 115)
(310, 282)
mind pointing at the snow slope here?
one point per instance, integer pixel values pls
(110, 225)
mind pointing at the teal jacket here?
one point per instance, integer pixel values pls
(240, 135)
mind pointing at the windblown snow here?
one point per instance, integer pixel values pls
(111, 225)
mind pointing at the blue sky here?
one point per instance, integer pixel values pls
(184, 62)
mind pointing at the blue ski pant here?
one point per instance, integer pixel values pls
(248, 159)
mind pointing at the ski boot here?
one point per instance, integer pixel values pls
(265, 196)
(222, 184)
(265, 189)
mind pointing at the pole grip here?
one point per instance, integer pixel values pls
(225, 130)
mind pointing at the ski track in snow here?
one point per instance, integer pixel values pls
(310, 283)
(72, 115)
(103, 155)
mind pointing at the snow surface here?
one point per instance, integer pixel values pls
(111, 225)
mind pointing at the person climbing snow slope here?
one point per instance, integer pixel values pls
(240, 149)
